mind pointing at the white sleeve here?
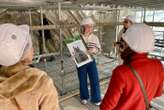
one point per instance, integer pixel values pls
(97, 42)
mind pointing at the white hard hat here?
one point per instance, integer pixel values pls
(140, 38)
(87, 21)
(130, 18)
(13, 41)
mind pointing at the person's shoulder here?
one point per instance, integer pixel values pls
(156, 62)
(93, 35)
(120, 73)
(120, 69)
(36, 71)
(42, 77)
(44, 81)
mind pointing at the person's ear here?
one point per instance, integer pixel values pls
(122, 46)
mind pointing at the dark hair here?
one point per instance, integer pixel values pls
(127, 54)
(131, 22)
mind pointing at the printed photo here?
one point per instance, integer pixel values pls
(79, 53)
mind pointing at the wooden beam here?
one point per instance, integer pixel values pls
(157, 24)
(49, 27)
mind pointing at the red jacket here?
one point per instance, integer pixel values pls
(124, 92)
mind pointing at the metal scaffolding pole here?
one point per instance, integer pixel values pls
(30, 17)
(31, 31)
(43, 38)
(61, 49)
(117, 30)
(100, 33)
(144, 16)
(117, 20)
(153, 15)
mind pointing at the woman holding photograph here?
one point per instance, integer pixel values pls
(90, 69)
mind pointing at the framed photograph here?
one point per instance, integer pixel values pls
(79, 52)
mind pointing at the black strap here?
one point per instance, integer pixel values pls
(83, 41)
(135, 73)
(85, 45)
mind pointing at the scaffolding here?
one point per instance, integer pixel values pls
(63, 70)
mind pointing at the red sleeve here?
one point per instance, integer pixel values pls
(114, 91)
(162, 83)
(161, 77)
